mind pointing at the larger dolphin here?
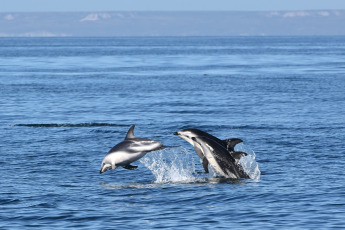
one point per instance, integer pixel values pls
(131, 149)
(201, 140)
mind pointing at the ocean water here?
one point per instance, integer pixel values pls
(64, 102)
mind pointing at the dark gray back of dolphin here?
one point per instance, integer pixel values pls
(229, 144)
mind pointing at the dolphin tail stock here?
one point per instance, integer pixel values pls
(163, 147)
(167, 147)
(171, 146)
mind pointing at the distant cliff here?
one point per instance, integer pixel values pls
(194, 23)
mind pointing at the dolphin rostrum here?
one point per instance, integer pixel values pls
(219, 153)
(131, 149)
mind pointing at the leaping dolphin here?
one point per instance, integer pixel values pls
(209, 147)
(131, 149)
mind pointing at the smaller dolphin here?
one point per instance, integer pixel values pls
(229, 144)
(131, 149)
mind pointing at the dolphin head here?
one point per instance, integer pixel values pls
(189, 134)
(107, 164)
(105, 167)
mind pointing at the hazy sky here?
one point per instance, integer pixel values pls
(173, 5)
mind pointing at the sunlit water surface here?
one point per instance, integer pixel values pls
(66, 101)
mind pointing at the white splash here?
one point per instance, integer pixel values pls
(171, 165)
(176, 165)
(250, 166)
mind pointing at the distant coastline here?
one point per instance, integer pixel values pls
(169, 23)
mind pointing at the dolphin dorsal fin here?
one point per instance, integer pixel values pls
(230, 143)
(130, 133)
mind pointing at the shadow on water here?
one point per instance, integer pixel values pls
(71, 125)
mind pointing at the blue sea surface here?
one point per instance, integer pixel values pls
(64, 102)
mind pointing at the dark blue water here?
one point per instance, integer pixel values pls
(64, 102)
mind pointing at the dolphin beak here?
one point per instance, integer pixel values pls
(103, 169)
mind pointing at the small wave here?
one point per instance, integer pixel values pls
(122, 186)
(257, 127)
(8, 201)
(70, 125)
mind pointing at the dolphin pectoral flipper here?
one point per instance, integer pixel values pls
(238, 155)
(198, 151)
(205, 164)
(231, 142)
(130, 167)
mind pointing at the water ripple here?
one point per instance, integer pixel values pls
(73, 125)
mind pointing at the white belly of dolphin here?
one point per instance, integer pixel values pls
(124, 158)
(213, 162)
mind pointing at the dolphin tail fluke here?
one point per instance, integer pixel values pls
(130, 133)
(130, 167)
(205, 164)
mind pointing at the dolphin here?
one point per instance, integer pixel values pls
(219, 158)
(131, 149)
(228, 144)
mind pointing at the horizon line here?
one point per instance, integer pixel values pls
(152, 11)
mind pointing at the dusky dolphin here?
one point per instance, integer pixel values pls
(131, 149)
(228, 144)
